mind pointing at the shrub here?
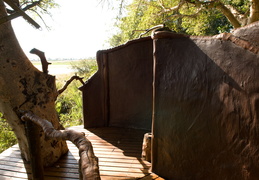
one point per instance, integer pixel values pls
(69, 103)
(85, 68)
(7, 136)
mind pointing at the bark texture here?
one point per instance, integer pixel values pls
(88, 162)
(24, 87)
(254, 11)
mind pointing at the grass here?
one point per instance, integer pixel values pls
(68, 105)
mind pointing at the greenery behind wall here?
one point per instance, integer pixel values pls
(68, 104)
(193, 17)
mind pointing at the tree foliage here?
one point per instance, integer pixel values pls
(194, 17)
(42, 7)
(35, 8)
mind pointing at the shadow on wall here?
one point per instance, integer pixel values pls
(205, 102)
(205, 120)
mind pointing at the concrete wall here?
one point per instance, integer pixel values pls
(120, 93)
(206, 100)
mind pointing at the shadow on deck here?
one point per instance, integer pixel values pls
(118, 150)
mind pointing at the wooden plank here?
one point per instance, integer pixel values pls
(124, 169)
(74, 151)
(61, 174)
(152, 176)
(12, 178)
(15, 174)
(118, 151)
(106, 177)
(12, 168)
(11, 164)
(122, 174)
(63, 178)
(118, 164)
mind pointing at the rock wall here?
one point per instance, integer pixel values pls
(206, 104)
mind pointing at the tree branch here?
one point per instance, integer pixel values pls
(29, 6)
(43, 59)
(254, 11)
(23, 14)
(242, 18)
(35, 3)
(221, 7)
(9, 18)
(14, 14)
(89, 168)
(47, 27)
(231, 13)
(194, 15)
(69, 81)
(172, 9)
(227, 13)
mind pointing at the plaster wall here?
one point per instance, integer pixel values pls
(130, 86)
(205, 113)
(120, 93)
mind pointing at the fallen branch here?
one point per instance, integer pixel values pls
(44, 62)
(69, 81)
(88, 163)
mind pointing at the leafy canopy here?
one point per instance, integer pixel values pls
(192, 17)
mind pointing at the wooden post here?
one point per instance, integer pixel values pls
(106, 89)
(146, 147)
(33, 136)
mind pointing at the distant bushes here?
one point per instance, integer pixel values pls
(85, 68)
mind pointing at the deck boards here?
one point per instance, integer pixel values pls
(118, 150)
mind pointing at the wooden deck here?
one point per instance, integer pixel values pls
(118, 150)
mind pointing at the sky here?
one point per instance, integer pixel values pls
(78, 30)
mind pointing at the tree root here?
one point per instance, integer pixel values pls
(88, 164)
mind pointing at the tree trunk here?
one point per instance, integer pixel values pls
(23, 87)
(228, 14)
(254, 11)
